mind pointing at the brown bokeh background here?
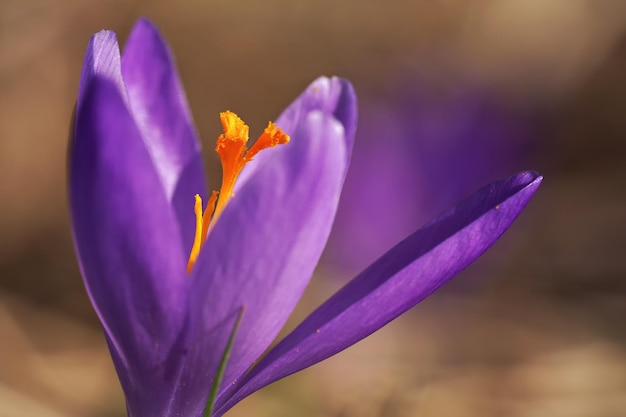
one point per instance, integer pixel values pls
(544, 335)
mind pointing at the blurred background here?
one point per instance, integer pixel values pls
(452, 95)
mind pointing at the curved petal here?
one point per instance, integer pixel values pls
(263, 250)
(126, 237)
(334, 96)
(159, 107)
(396, 282)
(331, 95)
(102, 58)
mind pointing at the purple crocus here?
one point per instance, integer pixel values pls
(419, 151)
(171, 322)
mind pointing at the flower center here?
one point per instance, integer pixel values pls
(231, 147)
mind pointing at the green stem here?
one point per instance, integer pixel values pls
(208, 410)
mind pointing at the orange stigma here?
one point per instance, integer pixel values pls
(231, 147)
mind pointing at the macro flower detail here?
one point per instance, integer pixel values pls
(136, 183)
(231, 147)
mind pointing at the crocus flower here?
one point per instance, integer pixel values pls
(184, 330)
(419, 151)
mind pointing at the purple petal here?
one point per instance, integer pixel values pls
(334, 96)
(126, 238)
(102, 58)
(263, 250)
(159, 107)
(440, 145)
(396, 282)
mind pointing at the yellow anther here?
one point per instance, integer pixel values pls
(231, 147)
(197, 239)
(202, 226)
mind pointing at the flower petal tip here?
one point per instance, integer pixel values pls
(529, 180)
(102, 57)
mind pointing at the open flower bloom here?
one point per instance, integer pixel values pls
(135, 169)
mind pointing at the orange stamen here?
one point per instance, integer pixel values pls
(197, 240)
(272, 136)
(208, 212)
(231, 147)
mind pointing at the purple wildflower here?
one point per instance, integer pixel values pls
(135, 167)
(439, 145)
